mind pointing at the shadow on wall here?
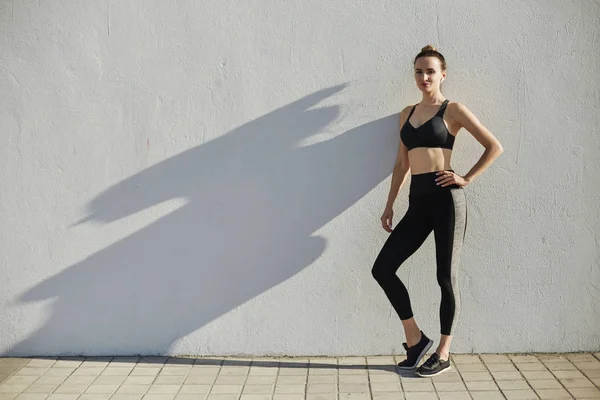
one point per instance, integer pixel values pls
(254, 200)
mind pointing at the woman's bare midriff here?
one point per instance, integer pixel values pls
(429, 159)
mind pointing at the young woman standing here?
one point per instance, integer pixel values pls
(436, 203)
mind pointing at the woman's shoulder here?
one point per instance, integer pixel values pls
(406, 110)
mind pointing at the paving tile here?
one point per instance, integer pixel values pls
(255, 397)
(353, 388)
(31, 396)
(585, 393)
(557, 393)
(71, 388)
(290, 379)
(580, 357)
(559, 366)
(513, 385)
(137, 380)
(195, 389)
(263, 380)
(454, 395)
(41, 388)
(379, 378)
(421, 396)
(495, 358)
(163, 396)
(321, 396)
(30, 371)
(496, 395)
(41, 362)
(63, 372)
(508, 376)
(144, 371)
(13, 388)
(576, 383)
(21, 380)
(418, 386)
(386, 387)
(352, 371)
(174, 371)
(364, 379)
(449, 386)
(523, 359)
(354, 396)
(230, 380)
(101, 389)
(67, 363)
(130, 396)
(289, 389)
(258, 389)
(262, 371)
(531, 366)
(386, 396)
(545, 384)
(449, 376)
(520, 394)
(226, 389)
(133, 389)
(13, 362)
(501, 367)
(551, 357)
(163, 389)
(477, 386)
(50, 380)
(288, 396)
(79, 380)
(94, 396)
(569, 374)
(537, 375)
(465, 359)
(588, 365)
(116, 371)
(64, 396)
(476, 376)
(471, 367)
(168, 380)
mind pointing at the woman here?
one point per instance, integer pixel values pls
(436, 203)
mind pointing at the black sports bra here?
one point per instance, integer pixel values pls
(432, 133)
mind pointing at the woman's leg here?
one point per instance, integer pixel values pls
(449, 226)
(405, 239)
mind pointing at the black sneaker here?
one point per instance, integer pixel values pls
(415, 353)
(433, 366)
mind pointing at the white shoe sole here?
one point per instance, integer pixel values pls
(436, 374)
(427, 347)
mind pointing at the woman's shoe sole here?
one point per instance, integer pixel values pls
(436, 374)
(427, 347)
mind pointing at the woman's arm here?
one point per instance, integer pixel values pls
(401, 167)
(493, 148)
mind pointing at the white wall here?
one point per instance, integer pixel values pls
(207, 177)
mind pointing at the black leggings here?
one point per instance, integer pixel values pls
(431, 207)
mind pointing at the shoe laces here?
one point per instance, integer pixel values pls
(431, 360)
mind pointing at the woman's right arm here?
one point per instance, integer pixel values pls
(401, 167)
(399, 174)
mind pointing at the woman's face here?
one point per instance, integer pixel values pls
(428, 73)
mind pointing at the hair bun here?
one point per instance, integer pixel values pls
(428, 48)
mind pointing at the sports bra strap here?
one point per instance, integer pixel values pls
(411, 112)
(442, 108)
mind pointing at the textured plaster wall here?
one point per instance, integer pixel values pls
(207, 177)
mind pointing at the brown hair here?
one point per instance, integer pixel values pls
(430, 51)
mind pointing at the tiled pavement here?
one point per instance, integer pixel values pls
(485, 377)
